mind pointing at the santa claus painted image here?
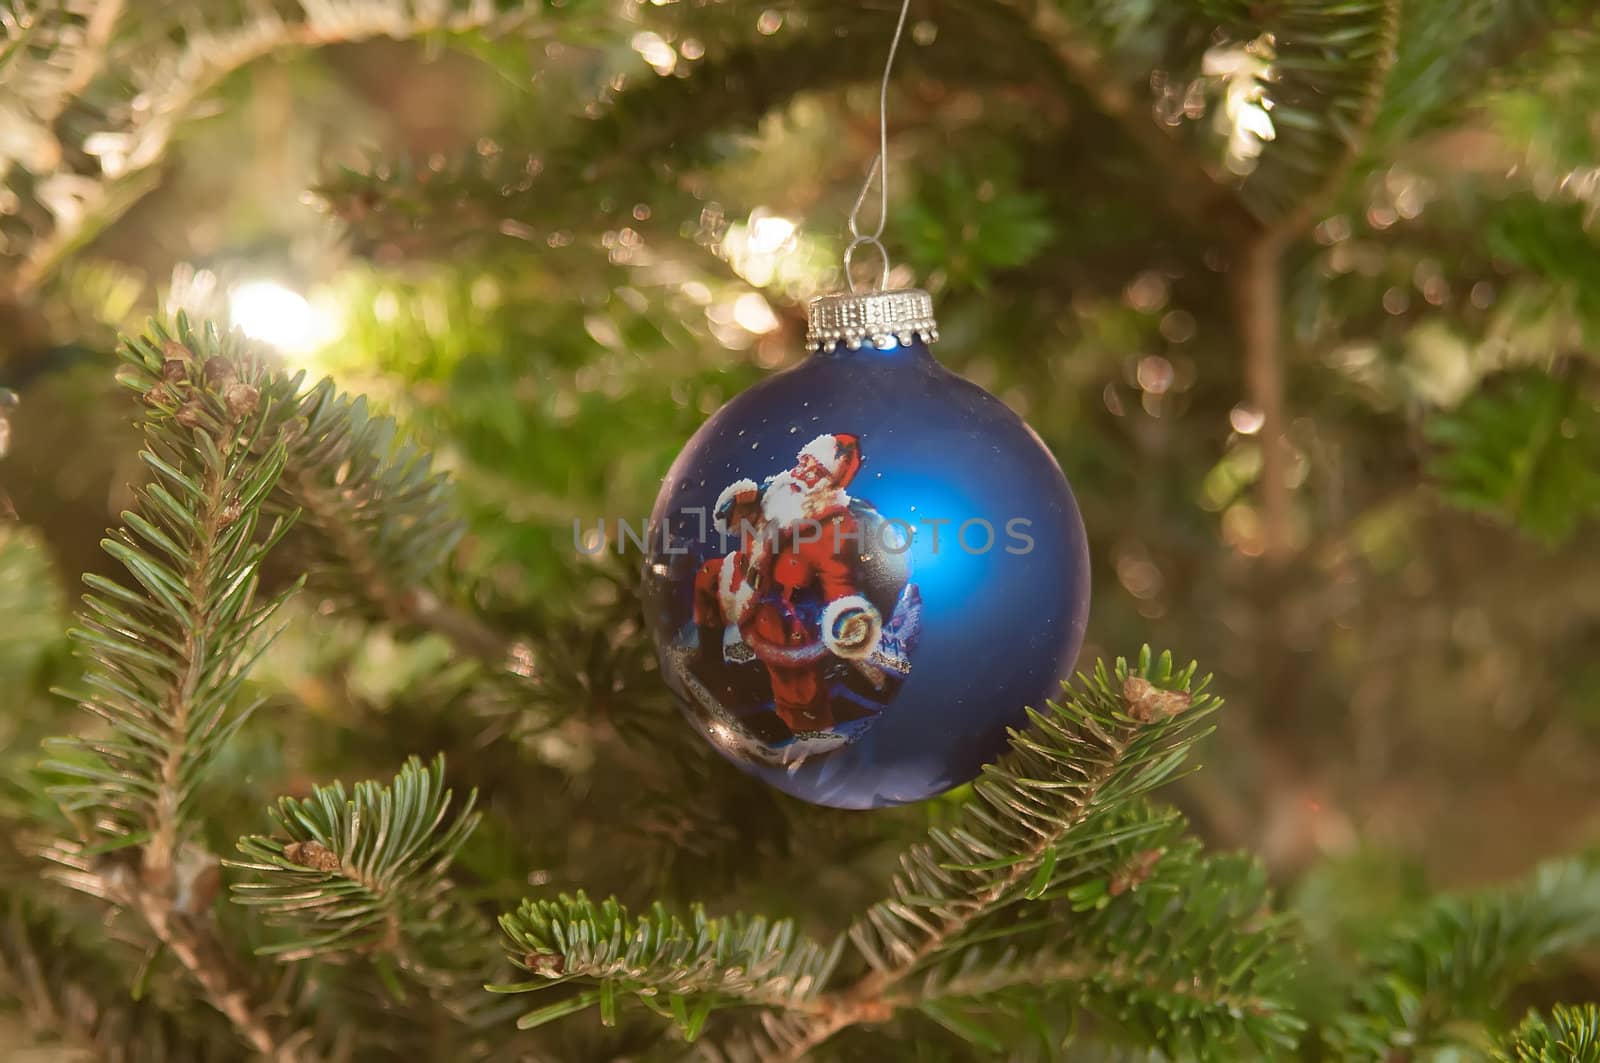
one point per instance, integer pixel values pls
(803, 629)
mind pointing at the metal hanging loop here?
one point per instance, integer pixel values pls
(880, 168)
(849, 255)
(878, 318)
(854, 221)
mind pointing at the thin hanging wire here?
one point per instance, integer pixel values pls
(880, 168)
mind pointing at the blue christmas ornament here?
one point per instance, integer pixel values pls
(863, 570)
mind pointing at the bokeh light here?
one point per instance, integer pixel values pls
(274, 314)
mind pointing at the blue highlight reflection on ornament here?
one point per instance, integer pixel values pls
(930, 653)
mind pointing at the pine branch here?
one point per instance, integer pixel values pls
(1055, 867)
(1040, 818)
(644, 140)
(1526, 447)
(1331, 68)
(682, 970)
(1125, 732)
(1458, 962)
(386, 520)
(172, 85)
(1168, 946)
(366, 873)
(1257, 283)
(1448, 49)
(166, 656)
(169, 659)
(75, 996)
(376, 523)
(1197, 190)
(1570, 1035)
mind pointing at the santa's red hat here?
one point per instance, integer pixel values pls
(839, 454)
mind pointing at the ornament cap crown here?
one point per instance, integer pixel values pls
(882, 319)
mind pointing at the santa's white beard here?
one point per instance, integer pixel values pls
(787, 501)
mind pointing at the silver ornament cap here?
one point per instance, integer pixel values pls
(881, 319)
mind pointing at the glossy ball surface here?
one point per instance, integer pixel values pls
(899, 570)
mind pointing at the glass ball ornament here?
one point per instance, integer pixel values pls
(863, 570)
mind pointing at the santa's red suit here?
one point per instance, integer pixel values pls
(790, 590)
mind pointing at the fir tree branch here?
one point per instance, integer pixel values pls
(1524, 447)
(1257, 281)
(1352, 97)
(384, 517)
(1459, 960)
(376, 523)
(193, 941)
(72, 990)
(179, 917)
(1451, 49)
(1045, 823)
(167, 656)
(1377, 48)
(1167, 947)
(1332, 67)
(366, 872)
(1124, 734)
(665, 961)
(1570, 1035)
(225, 427)
(1156, 930)
(659, 126)
(174, 86)
(1056, 862)
(1197, 191)
(168, 659)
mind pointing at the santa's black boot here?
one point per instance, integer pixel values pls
(767, 727)
(708, 663)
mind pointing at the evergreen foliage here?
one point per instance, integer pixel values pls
(1526, 447)
(171, 650)
(55, 983)
(1054, 886)
(384, 520)
(1461, 958)
(360, 872)
(1299, 292)
(661, 960)
(1570, 1035)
